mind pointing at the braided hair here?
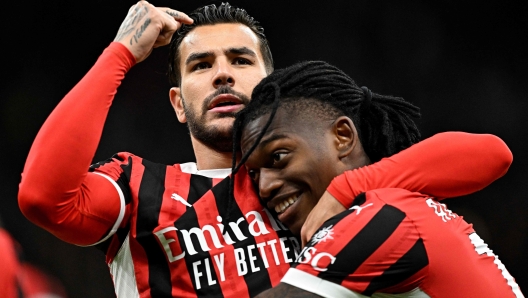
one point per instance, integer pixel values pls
(384, 123)
(211, 15)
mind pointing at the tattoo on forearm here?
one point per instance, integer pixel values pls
(131, 21)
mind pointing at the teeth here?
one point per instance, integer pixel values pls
(279, 208)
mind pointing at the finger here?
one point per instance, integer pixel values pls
(177, 15)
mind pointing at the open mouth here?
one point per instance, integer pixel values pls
(225, 102)
(282, 206)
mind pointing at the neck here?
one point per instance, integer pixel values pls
(357, 159)
(208, 158)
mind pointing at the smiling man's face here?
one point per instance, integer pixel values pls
(293, 164)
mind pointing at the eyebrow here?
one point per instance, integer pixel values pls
(263, 143)
(238, 51)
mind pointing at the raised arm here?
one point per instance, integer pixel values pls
(56, 191)
(445, 165)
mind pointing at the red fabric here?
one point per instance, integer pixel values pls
(448, 164)
(10, 266)
(56, 192)
(180, 234)
(36, 283)
(396, 241)
(22, 278)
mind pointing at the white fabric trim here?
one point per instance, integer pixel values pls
(327, 289)
(123, 274)
(190, 168)
(121, 210)
(316, 285)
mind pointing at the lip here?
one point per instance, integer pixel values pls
(236, 104)
(289, 213)
(277, 201)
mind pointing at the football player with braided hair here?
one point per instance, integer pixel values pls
(307, 125)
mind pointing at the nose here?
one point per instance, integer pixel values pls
(224, 75)
(269, 183)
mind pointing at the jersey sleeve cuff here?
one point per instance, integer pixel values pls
(125, 56)
(121, 210)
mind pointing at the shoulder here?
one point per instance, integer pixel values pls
(119, 159)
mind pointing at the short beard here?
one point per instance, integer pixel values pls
(218, 139)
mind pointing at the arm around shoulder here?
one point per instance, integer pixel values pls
(448, 164)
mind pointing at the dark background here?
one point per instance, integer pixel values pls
(464, 63)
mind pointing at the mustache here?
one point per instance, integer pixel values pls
(225, 90)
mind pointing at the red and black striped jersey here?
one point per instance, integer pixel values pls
(179, 236)
(393, 241)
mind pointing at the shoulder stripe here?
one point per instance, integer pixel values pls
(368, 240)
(409, 264)
(150, 198)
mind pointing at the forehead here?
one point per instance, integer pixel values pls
(285, 125)
(218, 37)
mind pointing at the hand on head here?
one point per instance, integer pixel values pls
(147, 27)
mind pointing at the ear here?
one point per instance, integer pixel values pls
(177, 103)
(345, 136)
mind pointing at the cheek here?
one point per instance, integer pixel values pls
(252, 81)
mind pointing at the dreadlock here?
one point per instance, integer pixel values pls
(384, 123)
(211, 15)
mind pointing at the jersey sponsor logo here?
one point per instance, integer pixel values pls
(359, 208)
(441, 210)
(210, 239)
(322, 235)
(318, 260)
(176, 197)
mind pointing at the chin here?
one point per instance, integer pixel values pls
(295, 228)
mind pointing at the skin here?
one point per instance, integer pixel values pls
(291, 161)
(293, 158)
(215, 59)
(147, 27)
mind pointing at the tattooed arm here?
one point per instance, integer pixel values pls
(56, 191)
(288, 291)
(147, 27)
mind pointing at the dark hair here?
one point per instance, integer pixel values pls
(384, 123)
(211, 15)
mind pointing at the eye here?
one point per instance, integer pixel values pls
(253, 174)
(242, 61)
(201, 65)
(278, 157)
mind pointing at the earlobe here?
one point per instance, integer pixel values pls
(177, 104)
(345, 135)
